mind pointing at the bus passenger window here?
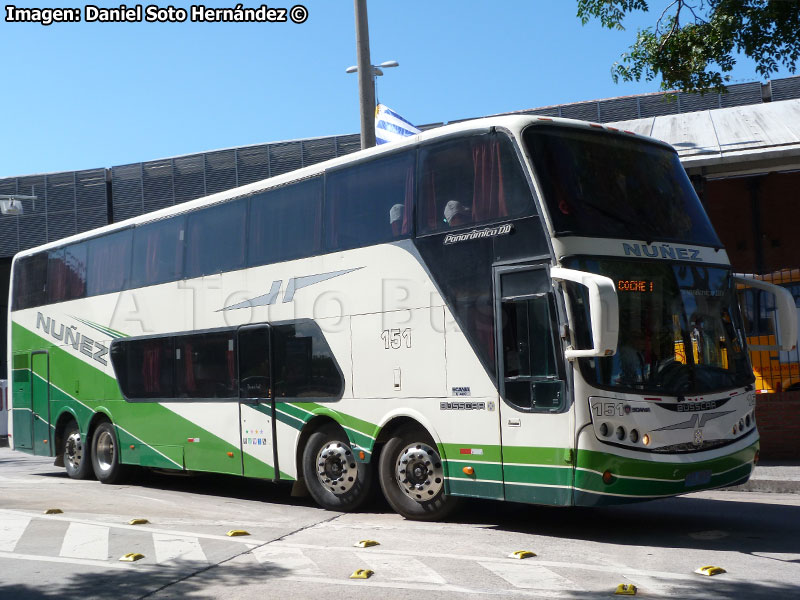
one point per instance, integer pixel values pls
(158, 252)
(469, 181)
(30, 280)
(109, 263)
(370, 203)
(285, 223)
(144, 367)
(215, 239)
(205, 365)
(304, 365)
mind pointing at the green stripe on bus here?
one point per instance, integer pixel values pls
(533, 494)
(474, 489)
(618, 465)
(537, 456)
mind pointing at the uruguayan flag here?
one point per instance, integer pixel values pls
(390, 127)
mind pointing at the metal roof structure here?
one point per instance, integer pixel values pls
(731, 141)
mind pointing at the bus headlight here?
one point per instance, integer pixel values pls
(634, 435)
(620, 433)
(604, 429)
(646, 439)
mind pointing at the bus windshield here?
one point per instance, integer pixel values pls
(604, 185)
(680, 329)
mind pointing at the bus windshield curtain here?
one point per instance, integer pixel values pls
(190, 385)
(488, 199)
(474, 178)
(151, 369)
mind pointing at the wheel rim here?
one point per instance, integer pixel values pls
(105, 450)
(74, 450)
(419, 472)
(337, 469)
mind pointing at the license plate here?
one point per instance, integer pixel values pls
(696, 478)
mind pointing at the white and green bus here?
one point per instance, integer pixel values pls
(515, 308)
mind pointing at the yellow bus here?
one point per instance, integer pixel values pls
(775, 370)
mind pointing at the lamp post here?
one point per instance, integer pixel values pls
(366, 70)
(10, 204)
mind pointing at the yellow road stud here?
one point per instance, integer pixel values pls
(361, 574)
(237, 532)
(626, 589)
(520, 554)
(53, 511)
(710, 570)
(366, 544)
(131, 557)
(138, 522)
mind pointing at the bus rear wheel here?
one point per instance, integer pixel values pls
(77, 459)
(333, 477)
(105, 454)
(411, 475)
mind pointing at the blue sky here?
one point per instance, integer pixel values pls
(87, 95)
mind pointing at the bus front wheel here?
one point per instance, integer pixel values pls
(105, 454)
(333, 477)
(77, 459)
(412, 477)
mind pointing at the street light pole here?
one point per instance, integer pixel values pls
(366, 87)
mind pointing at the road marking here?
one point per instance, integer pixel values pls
(290, 559)
(66, 560)
(531, 577)
(540, 562)
(11, 529)
(170, 547)
(139, 528)
(400, 568)
(85, 541)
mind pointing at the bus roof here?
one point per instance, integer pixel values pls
(514, 123)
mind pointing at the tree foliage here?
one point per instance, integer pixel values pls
(694, 43)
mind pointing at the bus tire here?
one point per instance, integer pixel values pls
(332, 475)
(77, 455)
(105, 455)
(411, 475)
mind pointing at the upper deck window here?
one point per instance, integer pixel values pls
(604, 185)
(469, 181)
(215, 239)
(285, 223)
(370, 203)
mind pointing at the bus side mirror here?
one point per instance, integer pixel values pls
(603, 310)
(785, 313)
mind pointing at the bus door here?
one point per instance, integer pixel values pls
(40, 402)
(21, 428)
(256, 403)
(536, 423)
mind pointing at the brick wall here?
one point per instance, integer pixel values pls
(778, 419)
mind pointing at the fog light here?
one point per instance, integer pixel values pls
(620, 433)
(646, 439)
(604, 429)
(634, 435)
(607, 477)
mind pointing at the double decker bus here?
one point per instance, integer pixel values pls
(500, 308)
